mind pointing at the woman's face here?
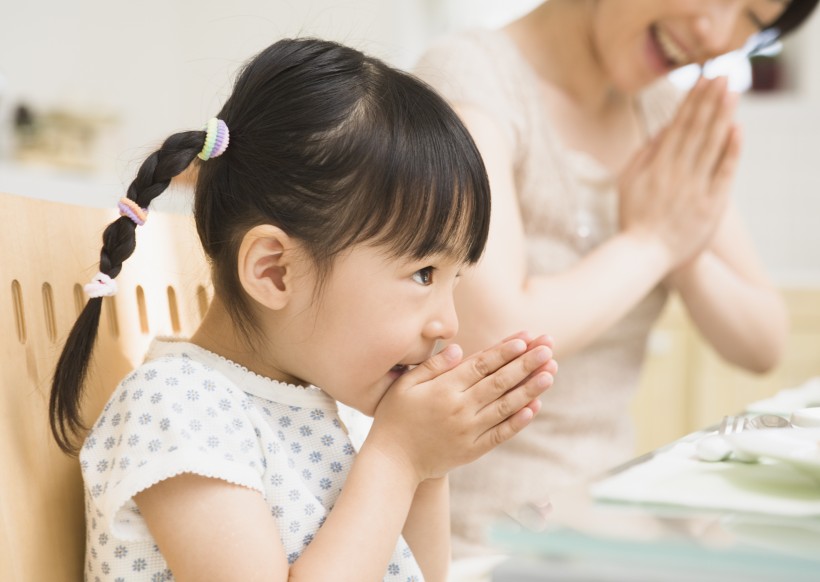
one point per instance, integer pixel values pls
(638, 41)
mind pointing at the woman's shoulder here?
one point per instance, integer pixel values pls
(473, 57)
(469, 43)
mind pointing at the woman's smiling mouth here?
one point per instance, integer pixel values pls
(667, 49)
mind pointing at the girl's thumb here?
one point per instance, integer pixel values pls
(436, 365)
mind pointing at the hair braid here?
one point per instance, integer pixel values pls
(119, 242)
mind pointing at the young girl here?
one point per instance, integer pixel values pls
(339, 203)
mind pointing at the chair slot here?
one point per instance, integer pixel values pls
(48, 312)
(173, 310)
(19, 313)
(142, 310)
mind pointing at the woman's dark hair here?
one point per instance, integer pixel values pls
(796, 12)
(332, 146)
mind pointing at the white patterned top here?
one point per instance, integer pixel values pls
(188, 410)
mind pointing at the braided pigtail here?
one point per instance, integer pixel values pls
(119, 242)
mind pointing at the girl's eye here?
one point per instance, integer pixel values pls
(424, 276)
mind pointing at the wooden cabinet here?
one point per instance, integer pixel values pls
(685, 385)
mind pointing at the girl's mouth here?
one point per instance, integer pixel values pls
(400, 369)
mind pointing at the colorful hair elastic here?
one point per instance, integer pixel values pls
(133, 211)
(101, 286)
(217, 137)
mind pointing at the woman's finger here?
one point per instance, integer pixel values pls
(669, 145)
(702, 124)
(717, 135)
(724, 171)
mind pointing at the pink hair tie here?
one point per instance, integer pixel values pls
(217, 137)
(133, 211)
(101, 286)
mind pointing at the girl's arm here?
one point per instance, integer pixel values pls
(732, 301)
(672, 202)
(441, 414)
(427, 529)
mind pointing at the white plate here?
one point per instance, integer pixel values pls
(799, 447)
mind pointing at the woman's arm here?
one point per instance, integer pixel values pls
(671, 204)
(500, 295)
(732, 301)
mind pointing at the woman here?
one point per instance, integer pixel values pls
(607, 196)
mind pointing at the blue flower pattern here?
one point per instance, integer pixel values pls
(298, 456)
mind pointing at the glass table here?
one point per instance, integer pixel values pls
(579, 534)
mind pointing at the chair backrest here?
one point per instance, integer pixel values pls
(48, 251)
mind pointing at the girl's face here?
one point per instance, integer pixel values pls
(375, 317)
(637, 41)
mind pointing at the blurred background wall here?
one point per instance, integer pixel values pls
(117, 77)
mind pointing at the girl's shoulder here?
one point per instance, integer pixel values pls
(181, 361)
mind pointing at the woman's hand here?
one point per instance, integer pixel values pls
(447, 412)
(675, 190)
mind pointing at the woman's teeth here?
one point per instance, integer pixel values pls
(672, 51)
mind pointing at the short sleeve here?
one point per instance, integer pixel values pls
(171, 416)
(475, 69)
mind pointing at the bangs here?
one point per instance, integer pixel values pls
(423, 178)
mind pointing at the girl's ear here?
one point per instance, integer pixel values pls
(266, 259)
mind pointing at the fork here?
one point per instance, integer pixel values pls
(713, 447)
(733, 424)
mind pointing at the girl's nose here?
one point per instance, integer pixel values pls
(444, 322)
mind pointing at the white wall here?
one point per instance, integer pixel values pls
(165, 65)
(778, 184)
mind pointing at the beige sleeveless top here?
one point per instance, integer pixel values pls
(568, 204)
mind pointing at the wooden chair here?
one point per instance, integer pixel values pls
(48, 251)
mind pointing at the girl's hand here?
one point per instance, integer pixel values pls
(676, 188)
(447, 412)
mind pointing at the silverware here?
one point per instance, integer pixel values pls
(713, 447)
(733, 424)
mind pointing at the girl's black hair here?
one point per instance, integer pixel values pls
(332, 146)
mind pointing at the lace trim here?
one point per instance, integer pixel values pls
(223, 359)
(183, 345)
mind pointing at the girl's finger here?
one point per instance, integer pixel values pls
(435, 366)
(478, 367)
(514, 400)
(541, 340)
(507, 429)
(509, 376)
